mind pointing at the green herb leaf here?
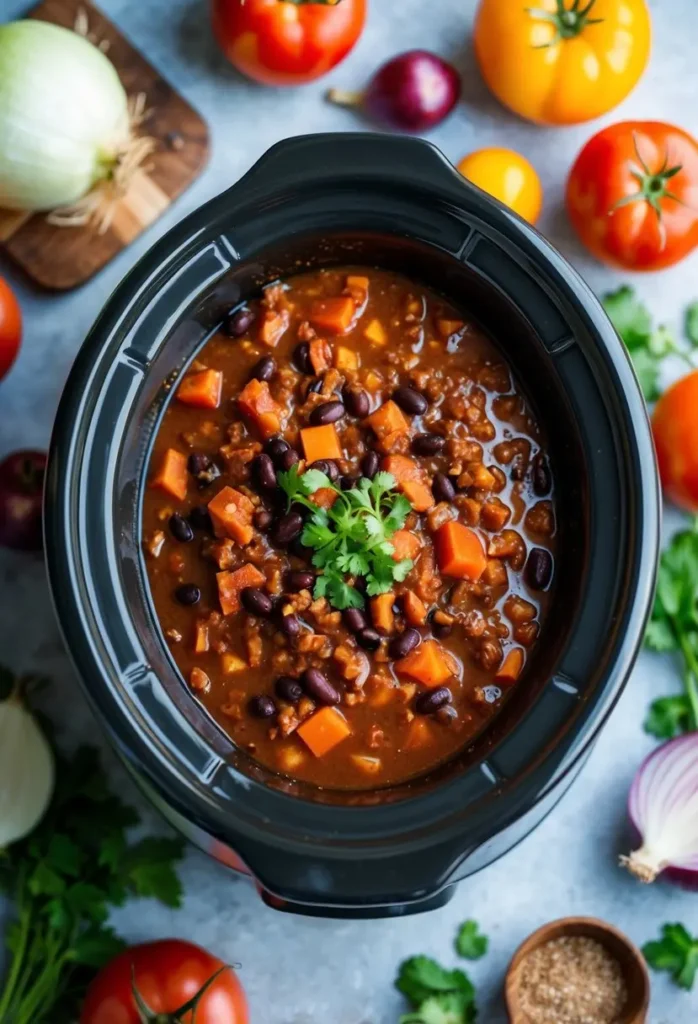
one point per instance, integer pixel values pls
(312, 480)
(647, 370)
(691, 323)
(629, 317)
(148, 869)
(449, 1008)
(676, 952)
(96, 947)
(470, 944)
(421, 977)
(669, 717)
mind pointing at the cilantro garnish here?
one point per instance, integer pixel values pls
(674, 628)
(63, 879)
(353, 537)
(676, 952)
(470, 944)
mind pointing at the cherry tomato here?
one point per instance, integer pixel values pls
(287, 42)
(10, 327)
(21, 499)
(675, 426)
(632, 195)
(507, 176)
(168, 977)
(562, 61)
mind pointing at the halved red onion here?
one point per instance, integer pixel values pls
(663, 807)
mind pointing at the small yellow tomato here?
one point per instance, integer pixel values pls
(507, 176)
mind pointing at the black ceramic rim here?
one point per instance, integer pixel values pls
(306, 851)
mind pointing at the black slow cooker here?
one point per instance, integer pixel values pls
(397, 203)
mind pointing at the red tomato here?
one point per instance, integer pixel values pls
(632, 195)
(168, 975)
(10, 327)
(287, 42)
(675, 426)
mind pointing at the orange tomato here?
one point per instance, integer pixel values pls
(287, 42)
(675, 426)
(632, 195)
(10, 327)
(507, 176)
(562, 61)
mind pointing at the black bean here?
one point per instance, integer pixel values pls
(410, 401)
(287, 528)
(370, 464)
(357, 402)
(355, 620)
(264, 369)
(369, 639)
(539, 569)
(262, 707)
(401, 645)
(440, 629)
(442, 487)
(314, 388)
(446, 715)
(347, 482)
(298, 580)
(541, 476)
(288, 459)
(204, 479)
(237, 323)
(428, 444)
(188, 593)
(200, 518)
(198, 463)
(429, 702)
(318, 687)
(301, 358)
(264, 472)
(328, 467)
(300, 550)
(288, 689)
(180, 528)
(256, 602)
(275, 447)
(329, 412)
(517, 470)
(263, 519)
(290, 626)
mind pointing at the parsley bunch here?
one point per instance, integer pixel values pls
(353, 537)
(674, 628)
(437, 995)
(676, 952)
(63, 879)
(648, 346)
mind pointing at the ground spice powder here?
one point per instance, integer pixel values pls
(572, 980)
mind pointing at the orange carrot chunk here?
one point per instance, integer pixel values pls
(459, 551)
(231, 513)
(334, 315)
(321, 443)
(427, 664)
(257, 405)
(324, 730)
(411, 480)
(202, 390)
(389, 419)
(510, 669)
(405, 545)
(172, 474)
(320, 355)
(382, 612)
(231, 585)
(414, 608)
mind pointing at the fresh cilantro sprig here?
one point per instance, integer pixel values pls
(673, 628)
(353, 537)
(63, 879)
(470, 943)
(648, 346)
(438, 995)
(676, 952)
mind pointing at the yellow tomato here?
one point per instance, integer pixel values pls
(562, 61)
(507, 176)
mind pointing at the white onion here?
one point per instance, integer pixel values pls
(663, 806)
(63, 116)
(26, 772)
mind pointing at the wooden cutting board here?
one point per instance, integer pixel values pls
(64, 257)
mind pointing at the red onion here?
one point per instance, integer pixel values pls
(663, 807)
(21, 497)
(414, 91)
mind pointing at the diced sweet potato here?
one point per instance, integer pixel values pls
(427, 664)
(419, 734)
(231, 585)
(320, 355)
(411, 480)
(325, 497)
(259, 408)
(510, 669)
(366, 763)
(447, 328)
(231, 664)
(459, 551)
(375, 333)
(231, 512)
(345, 358)
(290, 758)
(382, 612)
(202, 390)
(324, 730)
(389, 419)
(273, 326)
(172, 477)
(414, 608)
(333, 315)
(357, 282)
(405, 545)
(321, 443)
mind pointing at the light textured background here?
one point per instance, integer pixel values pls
(300, 971)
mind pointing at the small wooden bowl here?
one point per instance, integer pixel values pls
(628, 956)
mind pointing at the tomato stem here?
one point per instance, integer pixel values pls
(148, 1016)
(653, 184)
(568, 22)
